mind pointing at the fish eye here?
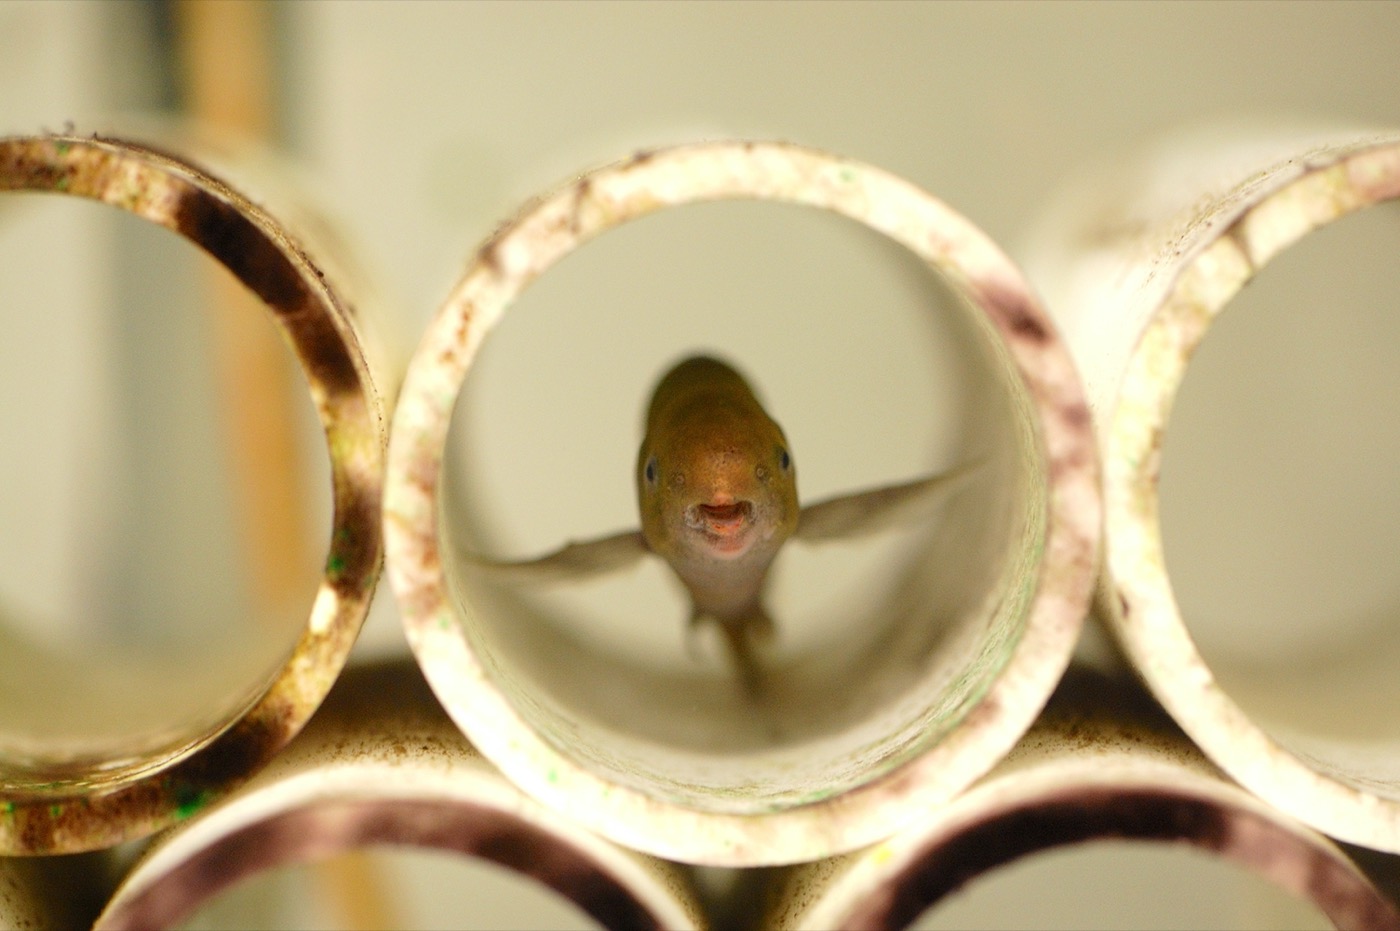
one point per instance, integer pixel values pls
(784, 460)
(649, 471)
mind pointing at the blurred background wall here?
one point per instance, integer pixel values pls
(421, 126)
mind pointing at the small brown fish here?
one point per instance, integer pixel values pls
(717, 493)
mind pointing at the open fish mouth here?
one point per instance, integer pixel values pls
(725, 525)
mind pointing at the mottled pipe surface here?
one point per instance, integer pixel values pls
(64, 803)
(38, 893)
(1135, 268)
(381, 764)
(925, 736)
(1102, 763)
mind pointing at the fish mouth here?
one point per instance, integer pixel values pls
(725, 527)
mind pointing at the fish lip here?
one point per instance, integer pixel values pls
(726, 528)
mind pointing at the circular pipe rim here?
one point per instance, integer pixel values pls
(165, 893)
(1157, 803)
(973, 265)
(77, 815)
(1142, 608)
(381, 764)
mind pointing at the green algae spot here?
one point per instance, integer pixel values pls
(552, 776)
(188, 800)
(847, 174)
(335, 563)
(55, 811)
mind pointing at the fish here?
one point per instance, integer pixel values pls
(717, 498)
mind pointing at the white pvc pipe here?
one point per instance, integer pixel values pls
(1137, 264)
(1102, 763)
(381, 764)
(58, 796)
(970, 642)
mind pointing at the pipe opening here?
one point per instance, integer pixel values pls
(134, 623)
(105, 748)
(1049, 839)
(1280, 511)
(373, 861)
(380, 814)
(904, 667)
(1119, 884)
(876, 373)
(390, 887)
(1145, 848)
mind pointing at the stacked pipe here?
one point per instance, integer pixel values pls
(62, 796)
(969, 653)
(1139, 283)
(881, 773)
(381, 764)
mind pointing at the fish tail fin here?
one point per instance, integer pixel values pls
(692, 636)
(740, 636)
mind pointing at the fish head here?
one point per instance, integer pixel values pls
(717, 484)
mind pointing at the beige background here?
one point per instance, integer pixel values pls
(422, 126)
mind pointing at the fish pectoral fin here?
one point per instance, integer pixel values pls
(573, 562)
(865, 512)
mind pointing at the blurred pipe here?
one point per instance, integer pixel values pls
(1382, 869)
(226, 50)
(1102, 763)
(52, 892)
(225, 63)
(64, 805)
(381, 764)
(933, 716)
(1135, 266)
(226, 70)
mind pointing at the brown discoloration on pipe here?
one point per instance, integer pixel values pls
(83, 811)
(40, 894)
(334, 827)
(382, 765)
(1141, 815)
(1017, 314)
(1103, 763)
(242, 248)
(1135, 307)
(769, 816)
